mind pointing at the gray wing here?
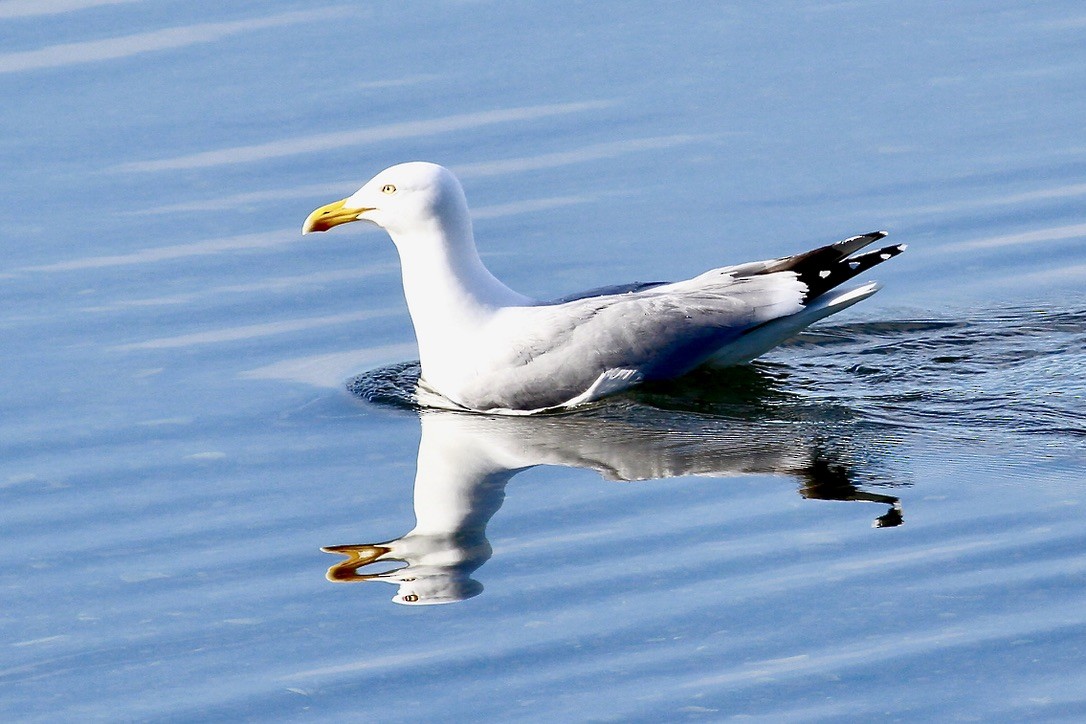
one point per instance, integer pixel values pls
(660, 332)
(621, 335)
(607, 291)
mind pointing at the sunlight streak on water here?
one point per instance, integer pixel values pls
(31, 8)
(868, 652)
(1058, 192)
(359, 137)
(1071, 272)
(529, 206)
(329, 370)
(126, 46)
(489, 168)
(584, 154)
(275, 284)
(1057, 233)
(253, 331)
(260, 240)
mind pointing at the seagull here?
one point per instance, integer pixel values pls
(486, 348)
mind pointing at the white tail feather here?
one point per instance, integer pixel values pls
(764, 338)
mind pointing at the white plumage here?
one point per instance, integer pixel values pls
(484, 347)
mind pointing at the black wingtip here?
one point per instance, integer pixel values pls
(821, 277)
(826, 267)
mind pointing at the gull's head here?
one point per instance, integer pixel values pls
(400, 199)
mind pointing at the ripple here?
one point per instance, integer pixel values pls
(1016, 371)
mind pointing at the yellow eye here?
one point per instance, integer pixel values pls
(388, 189)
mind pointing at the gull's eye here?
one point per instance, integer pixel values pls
(388, 189)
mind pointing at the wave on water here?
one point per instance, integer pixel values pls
(1015, 370)
(1018, 371)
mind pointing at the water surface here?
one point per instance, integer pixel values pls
(881, 518)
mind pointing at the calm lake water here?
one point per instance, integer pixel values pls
(881, 519)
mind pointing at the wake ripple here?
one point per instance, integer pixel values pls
(1018, 371)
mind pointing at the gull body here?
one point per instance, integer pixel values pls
(485, 347)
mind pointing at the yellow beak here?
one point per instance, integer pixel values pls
(331, 215)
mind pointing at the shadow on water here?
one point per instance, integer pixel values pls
(828, 418)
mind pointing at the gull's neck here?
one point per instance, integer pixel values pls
(448, 289)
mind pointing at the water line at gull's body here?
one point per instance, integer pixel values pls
(485, 347)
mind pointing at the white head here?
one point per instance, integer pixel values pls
(423, 208)
(405, 198)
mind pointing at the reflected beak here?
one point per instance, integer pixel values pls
(331, 215)
(358, 556)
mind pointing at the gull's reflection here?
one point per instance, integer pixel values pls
(465, 461)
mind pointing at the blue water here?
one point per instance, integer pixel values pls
(882, 518)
